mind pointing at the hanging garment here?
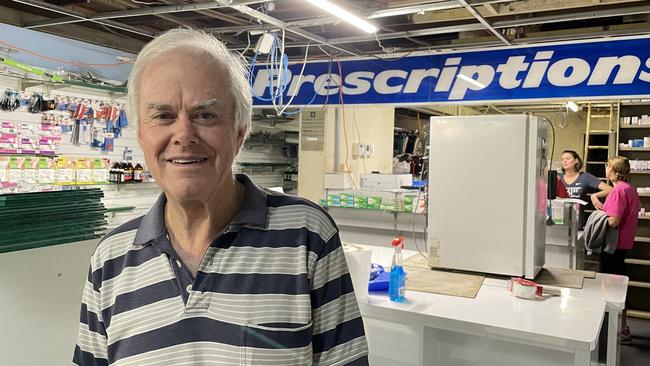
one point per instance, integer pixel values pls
(599, 236)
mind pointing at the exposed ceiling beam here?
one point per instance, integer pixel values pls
(497, 25)
(73, 31)
(634, 10)
(262, 27)
(62, 10)
(413, 33)
(522, 8)
(482, 20)
(283, 25)
(430, 6)
(168, 9)
(491, 9)
(530, 38)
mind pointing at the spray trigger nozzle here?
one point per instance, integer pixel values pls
(398, 242)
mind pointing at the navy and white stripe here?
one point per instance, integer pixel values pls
(273, 289)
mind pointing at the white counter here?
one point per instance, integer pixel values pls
(494, 328)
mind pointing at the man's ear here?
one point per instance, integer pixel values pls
(241, 134)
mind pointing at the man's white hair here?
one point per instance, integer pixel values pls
(196, 43)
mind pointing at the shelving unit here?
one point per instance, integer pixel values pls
(638, 261)
(270, 155)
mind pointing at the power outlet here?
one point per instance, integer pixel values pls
(370, 151)
(358, 151)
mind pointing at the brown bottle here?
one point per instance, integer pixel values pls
(138, 173)
(128, 172)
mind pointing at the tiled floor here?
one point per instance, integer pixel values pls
(638, 353)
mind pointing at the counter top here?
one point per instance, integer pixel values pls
(565, 321)
(572, 320)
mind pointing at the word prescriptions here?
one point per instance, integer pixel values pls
(604, 68)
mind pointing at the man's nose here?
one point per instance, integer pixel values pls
(185, 132)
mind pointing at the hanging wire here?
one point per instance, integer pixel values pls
(379, 43)
(563, 114)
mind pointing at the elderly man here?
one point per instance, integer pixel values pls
(219, 271)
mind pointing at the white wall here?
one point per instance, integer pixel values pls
(40, 299)
(358, 124)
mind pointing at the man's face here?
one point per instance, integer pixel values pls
(186, 125)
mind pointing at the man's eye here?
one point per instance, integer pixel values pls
(163, 116)
(205, 116)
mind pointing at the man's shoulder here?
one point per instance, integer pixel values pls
(130, 226)
(116, 240)
(287, 202)
(283, 207)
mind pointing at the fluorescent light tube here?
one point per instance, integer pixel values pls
(572, 106)
(344, 15)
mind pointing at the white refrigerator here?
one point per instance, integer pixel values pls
(487, 194)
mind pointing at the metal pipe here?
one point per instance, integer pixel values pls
(62, 10)
(263, 27)
(482, 20)
(498, 25)
(283, 25)
(124, 13)
(337, 138)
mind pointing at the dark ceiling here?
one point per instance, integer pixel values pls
(445, 24)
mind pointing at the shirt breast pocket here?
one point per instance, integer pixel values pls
(276, 344)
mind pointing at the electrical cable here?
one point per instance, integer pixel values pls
(345, 134)
(553, 144)
(302, 70)
(389, 59)
(379, 43)
(415, 241)
(248, 36)
(327, 97)
(356, 127)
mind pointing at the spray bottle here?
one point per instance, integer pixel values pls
(397, 281)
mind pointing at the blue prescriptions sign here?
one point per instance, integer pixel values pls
(589, 69)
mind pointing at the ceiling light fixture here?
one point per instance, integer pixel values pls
(344, 15)
(572, 106)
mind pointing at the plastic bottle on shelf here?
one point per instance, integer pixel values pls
(397, 279)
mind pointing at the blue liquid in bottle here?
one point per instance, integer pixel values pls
(396, 285)
(397, 279)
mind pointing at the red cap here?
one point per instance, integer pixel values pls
(399, 241)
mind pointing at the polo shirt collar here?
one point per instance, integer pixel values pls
(253, 212)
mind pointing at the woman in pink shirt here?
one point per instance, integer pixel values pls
(622, 207)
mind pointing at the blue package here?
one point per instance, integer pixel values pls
(379, 283)
(379, 278)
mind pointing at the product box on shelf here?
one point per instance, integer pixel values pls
(84, 171)
(4, 168)
(16, 168)
(66, 170)
(8, 127)
(360, 201)
(101, 167)
(374, 202)
(30, 170)
(46, 170)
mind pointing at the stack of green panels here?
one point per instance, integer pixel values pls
(38, 219)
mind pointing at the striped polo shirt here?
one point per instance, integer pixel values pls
(272, 289)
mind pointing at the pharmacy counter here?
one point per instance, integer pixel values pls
(494, 328)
